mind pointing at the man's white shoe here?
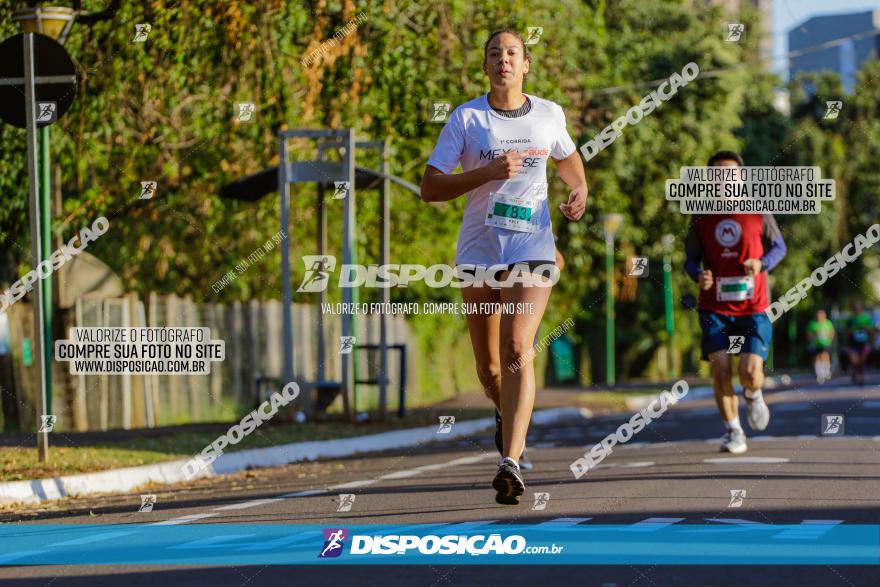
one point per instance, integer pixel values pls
(758, 412)
(734, 442)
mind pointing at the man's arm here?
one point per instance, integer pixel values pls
(693, 252)
(774, 246)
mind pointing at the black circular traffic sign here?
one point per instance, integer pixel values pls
(50, 59)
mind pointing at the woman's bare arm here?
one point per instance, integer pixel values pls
(442, 187)
(571, 170)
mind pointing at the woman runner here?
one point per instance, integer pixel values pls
(503, 141)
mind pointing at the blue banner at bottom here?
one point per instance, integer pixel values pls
(457, 544)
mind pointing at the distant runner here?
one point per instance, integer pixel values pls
(861, 329)
(820, 333)
(736, 251)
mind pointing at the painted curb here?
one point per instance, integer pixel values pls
(168, 472)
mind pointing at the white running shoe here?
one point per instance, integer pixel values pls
(758, 412)
(734, 442)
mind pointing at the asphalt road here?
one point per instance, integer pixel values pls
(671, 473)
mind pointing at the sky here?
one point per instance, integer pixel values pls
(790, 13)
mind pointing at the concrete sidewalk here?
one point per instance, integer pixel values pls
(168, 472)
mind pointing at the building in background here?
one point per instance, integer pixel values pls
(836, 42)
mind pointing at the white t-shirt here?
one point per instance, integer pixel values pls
(474, 135)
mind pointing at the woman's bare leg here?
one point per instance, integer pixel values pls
(484, 339)
(517, 333)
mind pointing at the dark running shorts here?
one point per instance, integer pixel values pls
(717, 328)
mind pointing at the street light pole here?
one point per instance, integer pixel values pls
(667, 241)
(36, 240)
(609, 309)
(54, 22)
(45, 185)
(610, 224)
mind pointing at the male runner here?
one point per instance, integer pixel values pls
(820, 333)
(736, 251)
(861, 328)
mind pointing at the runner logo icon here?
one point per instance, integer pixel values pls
(346, 500)
(638, 267)
(735, 344)
(446, 423)
(735, 32)
(47, 111)
(141, 31)
(541, 500)
(346, 344)
(47, 422)
(737, 496)
(832, 424)
(318, 269)
(333, 542)
(148, 190)
(832, 109)
(147, 502)
(440, 111)
(246, 111)
(341, 189)
(534, 34)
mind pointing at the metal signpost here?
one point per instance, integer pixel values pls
(37, 85)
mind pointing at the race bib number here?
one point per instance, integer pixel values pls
(735, 289)
(516, 211)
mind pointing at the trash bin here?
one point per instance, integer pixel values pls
(562, 353)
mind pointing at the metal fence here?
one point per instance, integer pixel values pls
(252, 333)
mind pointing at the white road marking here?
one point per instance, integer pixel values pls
(354, 484)
(211, 542)
(401, 474)
(560, 522)
(745, 460)
(183, 520)
(248, 504)
(652, 524)
(808, 529)
(306, 493)
(434, 467)
(711, 441)
(407, 473)
(469, 460)
(91, 539)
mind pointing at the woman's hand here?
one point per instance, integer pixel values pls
(577, 203)
(505, 166)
